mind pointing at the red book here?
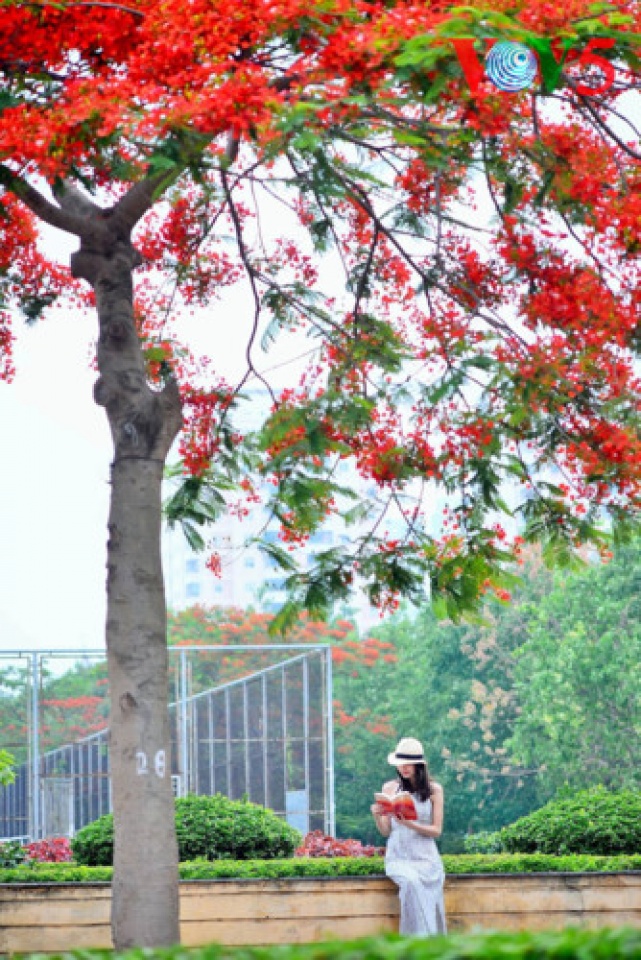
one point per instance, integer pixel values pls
(401, 805)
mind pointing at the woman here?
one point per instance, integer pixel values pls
(412, 859)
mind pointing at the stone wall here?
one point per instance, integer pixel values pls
(54, 917)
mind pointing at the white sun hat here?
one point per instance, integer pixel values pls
(408, 750)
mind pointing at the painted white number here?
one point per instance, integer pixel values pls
(141, 763)
(160, 763)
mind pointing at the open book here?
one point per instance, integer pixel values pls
(401, 804)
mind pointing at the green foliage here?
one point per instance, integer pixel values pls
(294, 867)
(451, 685)
(214, 828)
(32, 872)
(544, 693)
(577, 679)
(93, 845)
(282, 869)
(593, 821)
(6, 773)
(570, 944)
(483, 842)
(218, 828)
(73, 704)
(12, 853)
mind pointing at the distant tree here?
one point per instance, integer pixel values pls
(203, 626)
(14, 712)
(488, 785)
(72, 705)
(577, 678)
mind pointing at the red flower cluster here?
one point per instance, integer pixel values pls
(318, 844)
(51, 850)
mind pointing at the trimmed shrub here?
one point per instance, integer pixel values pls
(213, 828)
(591, 822)
(218, 828)
(93, 845)
(505, 863)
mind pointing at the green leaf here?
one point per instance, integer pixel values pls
(278, 554)
(286, 617)
(306, 141)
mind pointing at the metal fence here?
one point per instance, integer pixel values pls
(260, 730)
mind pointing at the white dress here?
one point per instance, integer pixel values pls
(414, 864)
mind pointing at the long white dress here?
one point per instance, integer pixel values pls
(414, 864)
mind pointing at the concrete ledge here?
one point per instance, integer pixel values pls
(54, 917)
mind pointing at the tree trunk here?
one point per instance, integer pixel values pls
(145, 883)
(144, 424)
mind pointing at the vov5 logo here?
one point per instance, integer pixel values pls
(513, 66)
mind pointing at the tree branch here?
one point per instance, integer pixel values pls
(252, 277)
(84, 3)
(140, 198)
(50, 213)
(72, 200)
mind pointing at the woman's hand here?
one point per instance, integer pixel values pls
(382, 820)
(406, 823)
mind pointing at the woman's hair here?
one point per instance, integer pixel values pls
(422, 785)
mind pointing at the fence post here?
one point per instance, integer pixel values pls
(35, 748)
(184, 747)
(330, 745)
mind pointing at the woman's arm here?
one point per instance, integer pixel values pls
(435, 828)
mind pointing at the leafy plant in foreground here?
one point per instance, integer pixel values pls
(570, 944)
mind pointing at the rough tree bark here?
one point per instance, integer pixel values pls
(144, 424)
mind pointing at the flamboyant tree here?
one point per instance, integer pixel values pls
(473, 331)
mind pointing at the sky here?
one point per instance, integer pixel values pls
(55, 469)
(56, 451)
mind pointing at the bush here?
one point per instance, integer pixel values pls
(591, 822)
(11, 854)
(93, 845)
(218, 828)
(213, 828)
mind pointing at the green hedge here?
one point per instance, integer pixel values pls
(215, 828)
(570, 944)
(330, 867)
(592, 821)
